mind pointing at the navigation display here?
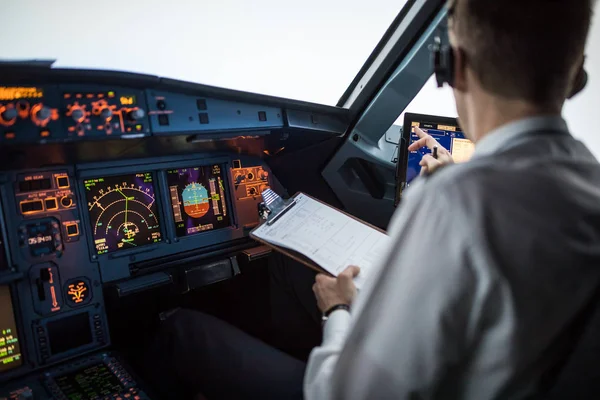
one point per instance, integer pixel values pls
(122, 211)
(10, 348)
(199, 199)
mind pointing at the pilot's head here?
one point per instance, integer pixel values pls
(518, 54)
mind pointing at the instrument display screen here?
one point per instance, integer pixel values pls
(10, 347)
(199, 199)
(69, 333)
(123, 211)
(446, 131)
(11, 93)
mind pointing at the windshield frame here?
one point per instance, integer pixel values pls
(406, 29)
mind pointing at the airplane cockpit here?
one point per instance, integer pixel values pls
(125, 195)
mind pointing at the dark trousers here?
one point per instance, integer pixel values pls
(197, 353)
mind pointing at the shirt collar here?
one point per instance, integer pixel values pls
(500, 137)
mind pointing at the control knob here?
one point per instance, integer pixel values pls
(43, 113)
(66, 201)
(136, 114)
(106, 113)
(264, 175)
(239, 178)
(9, 114)
(77, 114)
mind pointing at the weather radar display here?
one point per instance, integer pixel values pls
(122, 211)
(199, 199)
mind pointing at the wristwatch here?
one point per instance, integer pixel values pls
(327, 313)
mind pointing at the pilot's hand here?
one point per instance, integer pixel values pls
(331, 291)
(429, 164)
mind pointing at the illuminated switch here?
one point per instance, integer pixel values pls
(139, 127)
(72, 229)
(62, 182)
(33, 206)
(51, 203)
(45, 133)
(9, 135)
(78, 292)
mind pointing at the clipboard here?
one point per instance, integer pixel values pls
(279, 207)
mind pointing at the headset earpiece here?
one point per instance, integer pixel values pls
(580, 83)
(443, 63)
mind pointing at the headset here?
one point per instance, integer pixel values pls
(443, 67)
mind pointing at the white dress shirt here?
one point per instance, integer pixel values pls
(490, 261)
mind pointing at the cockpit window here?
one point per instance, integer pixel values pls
(431, 100)
(308, 50)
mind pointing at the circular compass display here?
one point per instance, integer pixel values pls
(122, 211)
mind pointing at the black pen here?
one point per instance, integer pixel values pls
(435, 155)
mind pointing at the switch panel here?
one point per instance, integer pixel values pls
(44, 193)
(249, 182)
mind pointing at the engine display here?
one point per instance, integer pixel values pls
(199, 199)
(122, 211)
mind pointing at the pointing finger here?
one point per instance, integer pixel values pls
(424, 140)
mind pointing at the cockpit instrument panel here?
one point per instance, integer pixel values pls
(122, 211)
(199, 199)
(10, 348)
(90, 382)
(104, 113)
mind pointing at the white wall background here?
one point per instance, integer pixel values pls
(308, 50)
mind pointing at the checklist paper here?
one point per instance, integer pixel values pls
(330, 238)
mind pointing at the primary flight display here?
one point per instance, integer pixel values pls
(122, 211)
(199, 199)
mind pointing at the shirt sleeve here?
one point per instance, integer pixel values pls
(410, 324)
(323, 358)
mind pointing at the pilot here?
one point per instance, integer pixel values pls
(493, 261)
